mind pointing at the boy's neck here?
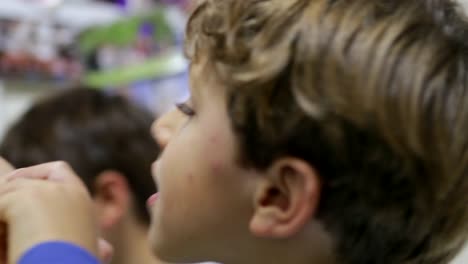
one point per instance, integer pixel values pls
(130, 243)
(313, 245)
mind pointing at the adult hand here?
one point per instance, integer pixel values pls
(44, 203)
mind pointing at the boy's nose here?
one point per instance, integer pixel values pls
(165, 127)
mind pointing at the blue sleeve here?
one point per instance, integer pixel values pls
(57, 252)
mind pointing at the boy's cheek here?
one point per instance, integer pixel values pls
(216, 167)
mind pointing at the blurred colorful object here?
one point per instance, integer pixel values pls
(106, 45)
(137, 48)
(37, 36)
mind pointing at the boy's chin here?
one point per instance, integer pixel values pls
(172, 256)
(173, 248)
(165, 250)
(172, 253)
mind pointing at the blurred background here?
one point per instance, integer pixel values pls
(132, 47)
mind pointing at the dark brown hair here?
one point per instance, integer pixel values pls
(93, 131)
(372, 93)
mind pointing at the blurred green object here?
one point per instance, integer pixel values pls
(166, 65)
(160, 57)
(126, 31)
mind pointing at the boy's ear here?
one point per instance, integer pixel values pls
(112, 198)
(285, 199)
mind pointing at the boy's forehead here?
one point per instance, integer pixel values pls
(203, 78)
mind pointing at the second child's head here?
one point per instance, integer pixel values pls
(105, 139)
(317, 132)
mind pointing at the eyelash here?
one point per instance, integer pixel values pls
(186, 109)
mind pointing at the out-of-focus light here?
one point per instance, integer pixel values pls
(52, 3)
(122, 3)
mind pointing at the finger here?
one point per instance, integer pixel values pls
(8, 193)
(5, 167)
(106, 251)
(7, 187)
(19, 185)
(42, 171)
(55, 171)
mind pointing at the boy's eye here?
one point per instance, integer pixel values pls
(186, 109)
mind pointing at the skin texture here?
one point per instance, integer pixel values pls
(212, 204)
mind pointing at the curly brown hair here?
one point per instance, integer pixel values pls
(373, 94)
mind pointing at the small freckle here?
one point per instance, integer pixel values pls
(216, 167)
(190, 177)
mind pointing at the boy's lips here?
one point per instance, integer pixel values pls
(152, 199)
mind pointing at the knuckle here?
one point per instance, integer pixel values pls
(61, 165)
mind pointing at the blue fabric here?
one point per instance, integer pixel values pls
(57, 252)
